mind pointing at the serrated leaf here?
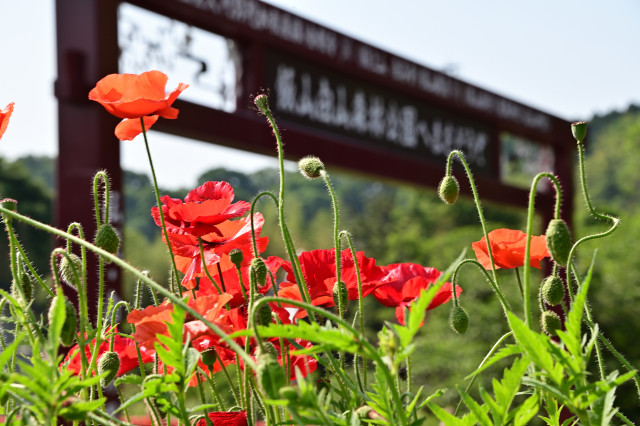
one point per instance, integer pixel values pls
(535, 346)
(331, 339)
(525, 412)
(507, 351)
(58, 318)
(449, 419)
(480, 412)
(572, 339)
(78, 410)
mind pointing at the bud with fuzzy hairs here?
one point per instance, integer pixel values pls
(270, 375)
(449, 189)
(262, 102)
(550, 322)
(341, 296)
(459, 319)
(108, 363)
(71, 269)
(236, 257)
(262, 316)
(69, 328)
(258, 271)
(107, 238)
(552, 290)
(558, 241)
(310, 167)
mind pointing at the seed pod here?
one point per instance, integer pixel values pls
(108, 363)
(448, 189)
(236, 257)
(310, 167)
(579, 130)
(107, 238)
(459, 320)
(558, 241)
(550, 322)
(552, 290)
(209, 357)
(258, 271)
(69, 264)
(270, 375)
(341, 296)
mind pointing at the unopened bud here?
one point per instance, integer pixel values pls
(27, 286)
(550, 322)
(310, 167)
(262, 315)
(258, 271)
(341, 296)
(270, 375)
(107, 238)
(448, 189)
(108, 363)
(579, 130)
(236, 257)
(267, 348)
(459, 320)
(71, 270)
(69, 328)
(552, 290)
(558, 241)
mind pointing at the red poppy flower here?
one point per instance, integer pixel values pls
(129, 128)
(231, 234)
(133, 96)
(403, 284)
(5, 114)
(226, 418)
(123, 346)
(201, 211)
(319, 270)
(508, 249)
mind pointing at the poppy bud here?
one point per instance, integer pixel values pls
(263, 315)
(270, 375)
(209, 357)
(579, 130)
(363, 412)
(262, 102)
(310, 167)
(341, 296)
(107, 238)
(68, 264)
(27, 286)
(258, 271)
(69, 328)
(459, 320)
(236, 257)
(267, 348)
(550, 322)
(290, 393)
(108, 363)
(448, 189)
(558, 241)
(389, 341)
(552, 290)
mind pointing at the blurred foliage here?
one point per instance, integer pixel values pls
(395, 223)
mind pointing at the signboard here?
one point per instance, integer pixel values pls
(355, 106)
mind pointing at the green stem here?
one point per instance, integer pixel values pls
(527, 251)
(156, 189)
(519, 282)
(503, 301)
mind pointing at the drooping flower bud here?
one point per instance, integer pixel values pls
(389, 341)
(579, 130)
(550, 322)
(107, 238)
(26, 280)
(341, 296)
(262, 102)
(262, 315)
(209, 357)
(108, 363)
(236, 257)
(267, 348)
(558, 241)
(310, 167)
(71, 270)
(258, 271)
(448, 189)
(459, 320)
(552, 290)
(270, 375)
(69, 328)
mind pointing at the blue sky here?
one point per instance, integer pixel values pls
(570, 58)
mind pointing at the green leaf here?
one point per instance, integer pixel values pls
(525, 412)
(507, 351)
(78, 410)
(449, 419)
(479, 412)
(326, 338)
(57, 316)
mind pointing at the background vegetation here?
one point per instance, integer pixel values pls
(395, 223)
